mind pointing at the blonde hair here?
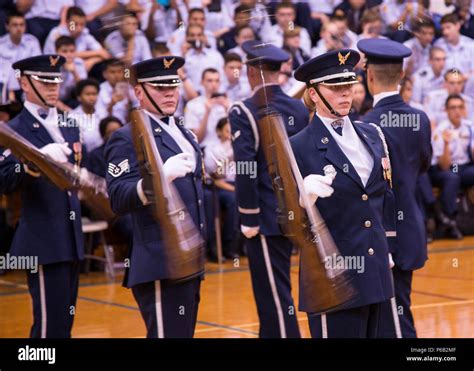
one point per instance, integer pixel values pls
(308, 102)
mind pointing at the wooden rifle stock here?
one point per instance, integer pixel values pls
(65, 176)
(183, 244)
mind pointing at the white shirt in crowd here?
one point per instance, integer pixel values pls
(216, 21)
(29, 46)
(420, 55)
(460, 145)
(323, 6)
(165, 22)
(194, 113)
(48, 8)
(89, 127)
(198, 61)
(349, 40)
(259, 19)
(90, 6)
(435, 102)
(425, 81)
(69, 82)
(144, 15)
(120, 109)
(117, 46)
(178, 37)
(352, 146)
(84, 42)
(218, 159)
(460, 56)
(239, 91)
(276, 38)
(391, 11)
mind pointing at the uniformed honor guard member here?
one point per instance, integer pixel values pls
(169, 309)
(268, 251)
(408, 136)
(50, 223)
(346, 171)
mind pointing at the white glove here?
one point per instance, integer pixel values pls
(390, 260)
(317, 186)
(249, 232)
(58, 152)
(85, 175)
(178, 166)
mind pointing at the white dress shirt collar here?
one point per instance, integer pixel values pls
(35, 108)
(385, 94)
(352, 146)
(176, 133)
(258, 87)
(328, 121)
(50, 123)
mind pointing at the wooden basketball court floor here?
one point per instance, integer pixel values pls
(443, 300)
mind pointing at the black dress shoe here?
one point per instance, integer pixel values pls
(441, 218)
(454, 232)
(231, 256)
(213, 258)
(429, 237)
(430, 229)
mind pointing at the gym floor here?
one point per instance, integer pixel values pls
(442, 300)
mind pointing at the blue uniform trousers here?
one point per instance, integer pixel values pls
(53, 290)
(269, 260)
(169, 309)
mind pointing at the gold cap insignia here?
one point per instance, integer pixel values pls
(53, 60)
(167, 63)
(343, 58)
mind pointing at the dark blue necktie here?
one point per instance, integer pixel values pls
(165, 119)
(43, 113)
(337, 126)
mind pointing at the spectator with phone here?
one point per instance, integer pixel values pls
(198, 56)
(372, 25)
(334, 35)
(179, 37)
